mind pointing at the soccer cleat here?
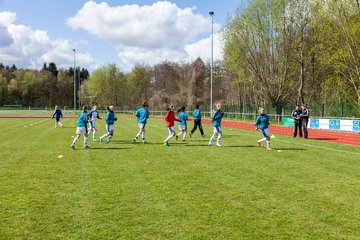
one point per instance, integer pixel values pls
(177, 138)
(258, 143)
(101, 139)
(86, 146)
(166, 144)
(218, 145)
(183, 140)
(143, 141)
(269, 149)
(190, 135)
(72, 147)
(95, 140)
(134, 141)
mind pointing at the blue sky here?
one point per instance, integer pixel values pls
(40, 31)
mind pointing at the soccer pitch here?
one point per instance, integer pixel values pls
(300, 190)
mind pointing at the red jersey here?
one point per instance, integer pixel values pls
(170, 119)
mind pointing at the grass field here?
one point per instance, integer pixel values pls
(307, 190)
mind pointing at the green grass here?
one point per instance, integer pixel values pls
(309, 190)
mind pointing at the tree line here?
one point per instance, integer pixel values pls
(303, 52)
(276, 52)
(47, 87)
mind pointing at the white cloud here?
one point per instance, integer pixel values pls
(149, 33)
(203, 48)
(30, 48)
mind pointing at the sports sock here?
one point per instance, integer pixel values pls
(179, 134)
(184, 136)
(94, 134)
(268, 143)
(219, 138)
(263, 139)
(143, 135)
(60, 124)
(56, 123)
(109, 139)
(85, 140)
(138, 134)
(212, 137)
(75, 139)
(169, 138)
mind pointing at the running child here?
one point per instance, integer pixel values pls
(262, 121)
(142, 115)
(197, 121)
(182, 125)
(170, 119)
(216, 121)
(81, 128)
(57, 115)
(93, 115)
(110, 120)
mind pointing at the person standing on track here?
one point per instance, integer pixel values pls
(304, 120)
(296, 115)
(57, 115)
(170, 119)
(197, 121)
(263, 123)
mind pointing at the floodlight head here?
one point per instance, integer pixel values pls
(211, 13)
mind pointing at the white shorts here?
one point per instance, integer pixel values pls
(141, 125)
(182, 127)
(80, 130)
(110, 128)
(264, 132)
(217, 129)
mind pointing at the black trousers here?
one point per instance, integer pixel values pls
(297, 126)
(197, 123)
(304, 126)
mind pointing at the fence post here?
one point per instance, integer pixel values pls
(323, 110)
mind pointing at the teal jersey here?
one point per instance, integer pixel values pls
(142, 115)
(110, 118)
(263, 121)
(183, 117)
(82, 120)
(216, 118)
(197, 114)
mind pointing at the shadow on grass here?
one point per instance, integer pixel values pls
(324, 139)
(290, 149)
(110, 148)
(240, 146)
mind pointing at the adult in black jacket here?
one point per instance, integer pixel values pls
(304, 120)
(296, 115)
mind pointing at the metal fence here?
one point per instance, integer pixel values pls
(322, 110)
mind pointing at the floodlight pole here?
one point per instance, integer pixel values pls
(74, 81)
(212, 60)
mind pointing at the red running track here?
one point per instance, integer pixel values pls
(315, 134)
